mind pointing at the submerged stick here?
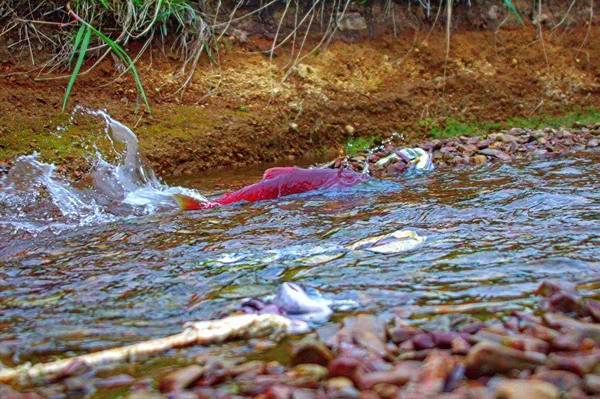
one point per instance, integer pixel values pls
(203, 333)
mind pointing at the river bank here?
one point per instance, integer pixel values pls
(348, 92)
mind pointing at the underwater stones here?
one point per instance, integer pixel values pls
(488, 358)
(563, 380)
(181, 379)
(311, 351)
(495, 153)
(479, 159)
(526, 389)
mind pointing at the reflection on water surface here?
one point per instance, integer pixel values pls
(493, 234)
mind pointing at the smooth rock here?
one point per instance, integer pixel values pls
(387, 391)
(479, 159)
(436, 369)
(314, 372)
(399, 375)
(578, 363)
(495, 153)
(337, 383)
(349, 129)
(526, 389)
(488, 358)
(563, 380)
(181, 379)
(593, 143)
(311, 351)
(591, 384)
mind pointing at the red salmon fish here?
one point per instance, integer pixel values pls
(280, 182)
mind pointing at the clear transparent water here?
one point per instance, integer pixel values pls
(493, 234)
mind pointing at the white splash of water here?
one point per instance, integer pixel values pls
(35, 199)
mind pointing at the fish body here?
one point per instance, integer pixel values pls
(281, 182)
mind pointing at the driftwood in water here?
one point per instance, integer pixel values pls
(203, 333)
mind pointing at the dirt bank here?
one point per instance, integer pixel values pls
(244, 111)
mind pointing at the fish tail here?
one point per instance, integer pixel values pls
(187, 203)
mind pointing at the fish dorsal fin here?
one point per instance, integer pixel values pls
(274, 172)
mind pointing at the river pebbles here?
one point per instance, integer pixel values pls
(504, 146)
(553, 352)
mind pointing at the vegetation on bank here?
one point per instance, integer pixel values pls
(100, 28)
(452, 127)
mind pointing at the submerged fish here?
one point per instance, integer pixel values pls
(280, 182)
(291, 301)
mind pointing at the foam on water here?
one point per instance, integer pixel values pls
(33, 198)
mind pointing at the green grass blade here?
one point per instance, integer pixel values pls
(118, 50)
(512, 9)
(78, 38)
(84, 45)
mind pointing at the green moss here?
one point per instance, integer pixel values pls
(356, 144)
(452, 127)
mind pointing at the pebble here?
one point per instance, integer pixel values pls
(488, 358)
(563, 380)
(591, 384)
(181, 379)
(526, 389)
(311, 351)
(479, 159)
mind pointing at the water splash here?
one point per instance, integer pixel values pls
(35, 199)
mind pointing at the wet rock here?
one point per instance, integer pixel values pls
(181, 379)
(577, 363)
(399, 375)
(249, 368)
(369, 395)
(279, 392)
(401, 332)
(591, 384)
(79, 385)
(435, 371)
(526, 389)
(423, 341)
(479, 159)
(311, 351)
(345, 366)
(562, 297)
(341, 387)
(9, 393)
(307, 375)
(593, 143)
(460, 346)
(495, 153)
(455, 378)
(583, 329)
(145, 394)
(337, 383)
(488, 358)
(185, 394)
(114, 381)
(387, 391)
(593, 308)
(563, 380)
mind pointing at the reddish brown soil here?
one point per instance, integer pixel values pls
(241, 113)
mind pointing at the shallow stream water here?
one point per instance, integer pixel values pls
(115, 274)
